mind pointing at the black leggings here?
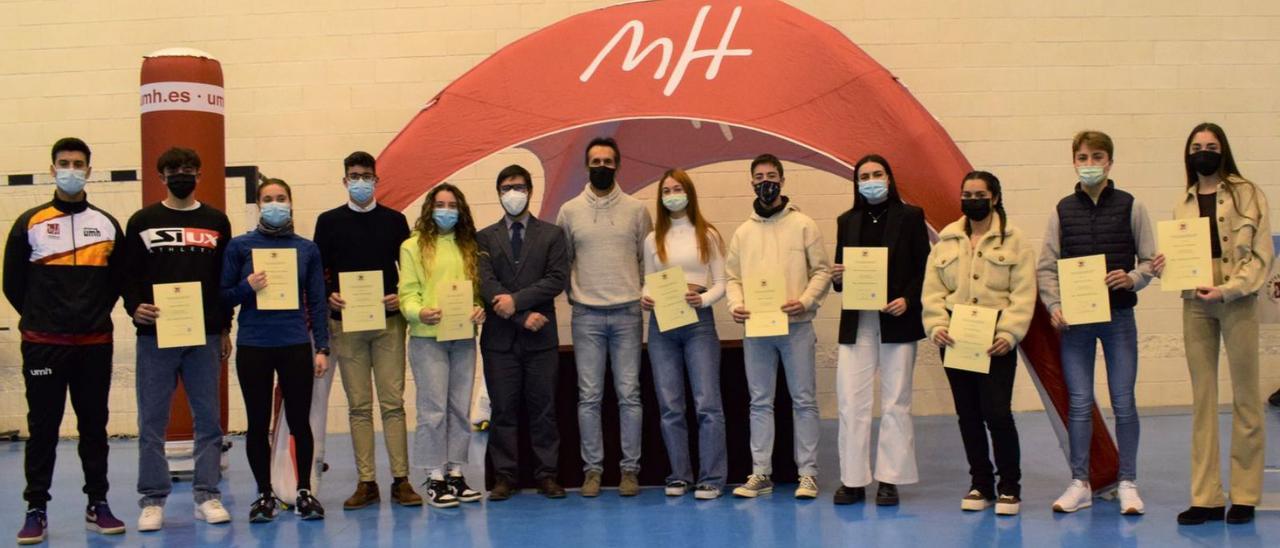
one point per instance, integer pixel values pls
(256, 368)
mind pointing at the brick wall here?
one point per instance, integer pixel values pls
(308, 82)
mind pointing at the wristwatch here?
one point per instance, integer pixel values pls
(323, 350)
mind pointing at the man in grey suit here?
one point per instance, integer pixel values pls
(523, 265)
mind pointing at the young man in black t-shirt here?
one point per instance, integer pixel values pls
(361, 236)
(178, 240)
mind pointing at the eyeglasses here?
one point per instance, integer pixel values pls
(365, 178)
(518, 188)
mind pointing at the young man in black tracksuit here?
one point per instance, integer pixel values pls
(61, 274)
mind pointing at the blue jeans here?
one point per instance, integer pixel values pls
(695, 349)
(613, 333)
(443, 373)
(157, 376)
(798, 351)
(1120, 349)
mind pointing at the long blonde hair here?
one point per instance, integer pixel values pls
(706, 235)
(464, 232)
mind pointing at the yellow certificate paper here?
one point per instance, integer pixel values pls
(667, 289)
(866, 278)
(1187, 253)
(281, 266)
(455, 300)
(974, 330)
(181, 321)
(1083, 282)
(765, 294)
(362, 291)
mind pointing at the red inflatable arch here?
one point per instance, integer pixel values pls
(689, 83)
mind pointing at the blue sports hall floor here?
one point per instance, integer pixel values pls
(928, 516)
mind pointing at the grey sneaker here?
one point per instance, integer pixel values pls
(629, 486)
(756, 485)
(591, 484)
(808, 488)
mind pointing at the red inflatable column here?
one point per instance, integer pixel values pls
(182, 105)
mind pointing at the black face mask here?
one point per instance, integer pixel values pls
(181, 184)
(768, 191)
(602, 177)
(1205, 162)
(976, 209)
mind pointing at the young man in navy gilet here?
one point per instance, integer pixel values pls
(1099, 219)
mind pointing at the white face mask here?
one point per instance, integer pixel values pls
(1091, 176)
(514, 201)
(675, 202)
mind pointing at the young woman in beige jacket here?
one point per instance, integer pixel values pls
(1240, 233)
(981, 263)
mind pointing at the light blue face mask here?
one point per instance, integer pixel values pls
(70, 181)
(276, 214)
(361, 190)
(874, 190)
(445, 218)
(675, 202)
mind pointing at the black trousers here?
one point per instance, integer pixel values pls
(982, 405)
(49, 371)
(522, 383)
(257, 368)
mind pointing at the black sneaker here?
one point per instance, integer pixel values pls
(439, 494)
(1197, 515)
(464, 493)
(887, 494)
(307, 507)
(676, 488)
(1239, 513)
(849, 495)
(264, 509)
(33, 529)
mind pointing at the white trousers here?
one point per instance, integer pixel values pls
(855, 374)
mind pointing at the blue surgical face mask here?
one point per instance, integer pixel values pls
(1091, 175)
(445, 218)
(874, 190)
(70, 181)
(276, 214)
(361, 190)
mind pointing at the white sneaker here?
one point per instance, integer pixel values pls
(212, 511)
(1078, 495)
(152, 518)
(1130, 502)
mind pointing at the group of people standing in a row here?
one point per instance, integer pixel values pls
(67, 261)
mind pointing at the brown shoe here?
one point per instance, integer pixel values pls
(630, 485)
(591, 485)
(502, 489)
(550, 489)
(366, 494)
(402, 493)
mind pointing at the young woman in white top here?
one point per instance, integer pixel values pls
(684, 239)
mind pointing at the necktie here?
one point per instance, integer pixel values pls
(517, 240)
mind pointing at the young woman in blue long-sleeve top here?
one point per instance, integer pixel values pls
(277, 343)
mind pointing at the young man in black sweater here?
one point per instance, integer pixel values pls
(178, 240)
(362, 235)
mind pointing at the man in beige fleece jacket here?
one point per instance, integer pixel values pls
(778, 236)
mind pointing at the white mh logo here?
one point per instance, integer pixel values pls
(635, 55)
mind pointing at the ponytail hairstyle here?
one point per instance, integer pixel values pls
(705, 233)
(464, 232)
(1227, 170)
(993, 186)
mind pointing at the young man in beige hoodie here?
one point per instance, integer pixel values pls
(778, 236)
